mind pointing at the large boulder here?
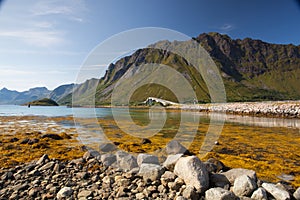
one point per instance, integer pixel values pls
(232, 174)
(277, 192)
(244, 186)
(193, 172)
(151, 172)
(219, 194)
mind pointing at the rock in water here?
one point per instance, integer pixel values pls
(174, 147)
(244, 186)
(276, 192)
(219, 194)
(107, 147)
(64, 192)
(193, 172)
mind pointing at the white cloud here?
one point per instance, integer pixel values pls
(43, 24)
(35, 37)
(71, 9)
(226, 27)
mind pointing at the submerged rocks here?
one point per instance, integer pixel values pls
(193, 172)
(174, 147)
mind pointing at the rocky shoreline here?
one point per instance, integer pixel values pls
(121, 175)
(285, 109)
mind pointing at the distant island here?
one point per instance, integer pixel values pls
(42, 102)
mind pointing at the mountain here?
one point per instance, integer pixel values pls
(61, 91)
(15, 97)
(7, 95)
(252, 70)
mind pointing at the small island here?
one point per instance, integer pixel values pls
(42, 102)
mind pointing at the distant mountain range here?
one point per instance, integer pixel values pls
(18, 98)
(252, 70)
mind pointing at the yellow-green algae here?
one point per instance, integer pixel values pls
(269, 151)
(13, 153)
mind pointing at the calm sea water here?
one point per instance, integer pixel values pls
(138, 114)
(51, 111)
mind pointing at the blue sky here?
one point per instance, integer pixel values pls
(44, 42)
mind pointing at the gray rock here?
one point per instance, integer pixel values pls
(180, 198)
(219, 180)
(297, 194)
(47, 166)
(176, 185)
(108, 180)
(171, 161)
(244, 186)
(174, 147)
(139, 195)
(126, 162)
(108, 159)
(64, 192)
(7, 176)
(167, 177)
(42, 160)
(259, 194)
(276, 192)
(91, 154)
(232, 174)
(84, 194)
(193, 172)
(107, 147)
(190, 193)
(219, 194)
(151, 171)
(147, 158)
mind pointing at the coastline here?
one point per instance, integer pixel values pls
(68, 155)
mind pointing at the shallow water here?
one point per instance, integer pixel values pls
(271, 146)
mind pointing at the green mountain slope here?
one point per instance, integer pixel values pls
(252, 70)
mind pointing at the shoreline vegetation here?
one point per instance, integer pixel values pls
(25, 139)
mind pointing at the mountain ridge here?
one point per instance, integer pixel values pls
(251, 69)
